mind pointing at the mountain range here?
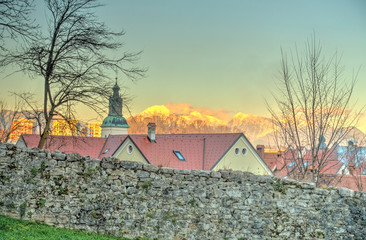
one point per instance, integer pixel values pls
(183, 118)
(175, 118)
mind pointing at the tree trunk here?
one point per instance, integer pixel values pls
(45, 133)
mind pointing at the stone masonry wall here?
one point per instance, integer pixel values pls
(130, 199)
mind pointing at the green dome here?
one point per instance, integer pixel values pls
(115, 121)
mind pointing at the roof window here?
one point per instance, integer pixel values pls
(179, 155)
(106, 151)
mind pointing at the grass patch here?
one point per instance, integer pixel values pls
(20, 229)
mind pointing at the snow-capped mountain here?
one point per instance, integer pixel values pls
(169, 120)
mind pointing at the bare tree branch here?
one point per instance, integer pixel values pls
(73, 59)
(312, 104)
(15, 21)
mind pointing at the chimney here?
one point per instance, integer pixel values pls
(351, 167)
(151, 129)
(260, 150)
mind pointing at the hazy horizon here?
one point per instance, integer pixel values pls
(220, 55)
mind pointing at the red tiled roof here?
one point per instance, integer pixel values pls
(112, 143)
(272, 159)
(354, 182)
(68, 144)
(191, 147)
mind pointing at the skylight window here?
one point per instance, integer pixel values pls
(291, 165)
(106, 151)
(179, 155)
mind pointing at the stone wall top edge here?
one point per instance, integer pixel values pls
(226, 174)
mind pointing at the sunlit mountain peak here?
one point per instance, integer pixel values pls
(156, 110)
(196, 114)
(183, 118)
(241, 115)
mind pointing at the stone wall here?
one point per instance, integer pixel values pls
(130, 199)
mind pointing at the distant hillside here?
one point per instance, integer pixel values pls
(183, 118)
(256, 128)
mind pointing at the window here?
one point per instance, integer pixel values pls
(106, 151)
(291, 165)
(179, 155)
(244, 151)
(129, 149)
(364, 172)
(237, 151)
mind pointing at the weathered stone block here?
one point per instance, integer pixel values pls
(307, 185)
(166, 170)
(128, 165)
(215, 174)
(233, 193)
(150, 168)
(60, 156)
(108, 165)
(142, 174)
(73, 157)
(92, 163)
(345, 192)
(42, 155)
(182, 171)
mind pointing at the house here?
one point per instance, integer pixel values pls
(345, 166)
(272, 157)
(182, 151)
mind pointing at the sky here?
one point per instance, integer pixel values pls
(219, 54)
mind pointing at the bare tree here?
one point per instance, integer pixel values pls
(73, 60)
(312, 109)
(15, 20)
(8, 123)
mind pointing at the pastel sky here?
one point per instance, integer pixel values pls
(223, 54)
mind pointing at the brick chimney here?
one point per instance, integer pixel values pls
(151, 131)
(260, 150)
(351, 167)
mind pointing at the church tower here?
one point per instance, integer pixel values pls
(114, 123)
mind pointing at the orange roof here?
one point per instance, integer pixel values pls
(111, 145)
(68, 144)
(201, 151)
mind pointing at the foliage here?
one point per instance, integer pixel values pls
(41, 203)
(10, 206)
(22, 209)
(20, 229)
(146, 185)
(34, 172)
(192, 202)
(279, 187)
